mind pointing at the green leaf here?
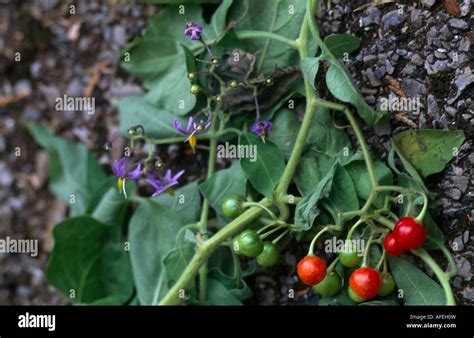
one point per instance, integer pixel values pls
(339, 44)
(434, 233)
(186, 201)
(135, 110)
(152, 235)
(283, 103)
(343, 195)
(164, 29)
(172, 92)
(218, 294)
(74, 174)
(112, 207)
(219, 19)
(429, 151)
(411, 179)
(312, 168)
(236, 286)
(307, 208)
(222, 184)
(85, 259)
(360, 176)
(284, 132)
(265, 170)
(280, 17)
(176, 262)
(418, 288)
(341, 86)
(310, 66)
(328, 139)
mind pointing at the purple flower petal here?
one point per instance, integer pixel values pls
(179, 127)
(162, 185)
(119, 167)
(135, 173)
(261, 127)
(157, 185)
(192, 30)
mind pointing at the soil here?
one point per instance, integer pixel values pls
(426, 50)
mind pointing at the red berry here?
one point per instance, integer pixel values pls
(392, 247)
(365, 282)
(311, 270)
(409, 233)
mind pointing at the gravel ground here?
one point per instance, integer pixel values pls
(418, 50)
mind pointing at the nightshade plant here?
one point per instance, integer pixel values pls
(239, 79)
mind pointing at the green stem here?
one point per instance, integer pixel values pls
(276, 240)
(440, 274)
(363, 146)
(245, 35)
(205, 211)
(353, 228)
(290, 169)
(382, 259)
(255, 204)
(313, 242)
(367, 250)
(205, 250)
(265, 235)
(207, 136)
(332, 266)
(265, 227)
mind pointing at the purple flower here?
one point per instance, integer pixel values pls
(261, 128)
(192, 30)
(193, 128)
(119, 168)
(164, 183)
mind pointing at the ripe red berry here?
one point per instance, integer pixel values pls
(365, 282)
(409, 233)
(392, 247)
(311, 270)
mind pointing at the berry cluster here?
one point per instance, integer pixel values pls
(365, 282)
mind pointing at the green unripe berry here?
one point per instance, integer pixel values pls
(349, 257)
(232, 206)
(329, 286)
(234, 84)
(270, 254)
(192, 76)
(195, 89)
(355, 297)
(388, 285)
(249, 243)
